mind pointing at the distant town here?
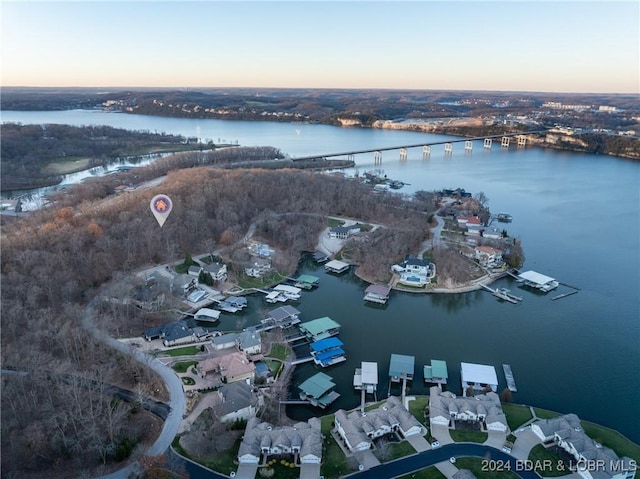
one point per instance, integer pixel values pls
(596, 123)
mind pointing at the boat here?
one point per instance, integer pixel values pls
(504, 217)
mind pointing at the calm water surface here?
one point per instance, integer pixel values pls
(577, 216)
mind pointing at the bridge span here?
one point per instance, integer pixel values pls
(427, 145)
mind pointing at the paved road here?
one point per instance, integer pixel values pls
(497, 459)
(174, 385)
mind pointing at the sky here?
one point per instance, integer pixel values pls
(542, 46)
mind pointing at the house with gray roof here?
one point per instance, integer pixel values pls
(249, 341)
(358, 430)
(238, 402)
(261, 441)
(445, 408)
(593, 460)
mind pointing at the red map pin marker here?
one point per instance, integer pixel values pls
(161, 206)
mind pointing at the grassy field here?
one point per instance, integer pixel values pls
(332, 223)
(475, 465)
(461, 435)
(417, 407)
(517, 414)
(428, 473)
(67, 165)
(540, 455)
(247, 282)
(183, 366)
(394, 450)
(184, 351)
(279, 351)
(613, 439)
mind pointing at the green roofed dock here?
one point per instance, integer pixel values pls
(401, 368)
(436, 373)
(306, 281)
(320, 328)
(318, 390)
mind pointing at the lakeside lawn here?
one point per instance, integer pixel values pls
(474, 464)
(540, 455)
(247, 282)
(279, 351)
(464, 435)
(418, 406)
(517, 414)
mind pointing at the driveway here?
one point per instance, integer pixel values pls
(367, 459)
(526, 441)
(309, 471)
(419, 443)
(496, 439)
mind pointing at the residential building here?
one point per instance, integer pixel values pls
(488, 256)
(172, 334)
(238, 402)
(218, 271)
(485, 409)
(594, 461)
(249, 341)
(358, 430)
(343, 232)
(232, 367)
(261, 441)
(224, 341)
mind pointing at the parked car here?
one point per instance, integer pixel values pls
(452, 460)
(435, 444)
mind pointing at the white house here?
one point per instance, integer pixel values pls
(358, 430)
(487, 256)
(262, 440)
(218, 271)
(598, 462)
(445, 408)
(343, 232)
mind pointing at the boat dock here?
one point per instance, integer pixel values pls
(508, 374)
(503, 294)
(564, 295)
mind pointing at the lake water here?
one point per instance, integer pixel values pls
(577, 216)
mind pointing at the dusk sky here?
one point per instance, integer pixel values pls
(576, 46)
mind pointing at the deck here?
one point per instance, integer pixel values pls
(508, 374)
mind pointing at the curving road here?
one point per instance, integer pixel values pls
(174, 385)
(496, 460)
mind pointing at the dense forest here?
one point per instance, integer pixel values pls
(57, 260)
(27, 151)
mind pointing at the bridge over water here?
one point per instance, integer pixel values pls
(521, 138)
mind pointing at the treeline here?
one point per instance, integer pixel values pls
(54, 261)
(26, 150)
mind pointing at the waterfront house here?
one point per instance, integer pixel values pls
(183, 284)
(218, 271)
(148, 297)
(194, 270)
(358, 430)
(249, 341)
(320, 328)
(343, 232)
(261, 441)
(224, 341)
(479, 377)
(488, 256)
(492, 233)
(232, 367)
(238, 402)
(258, 267)
(445, 408)
(566, 433)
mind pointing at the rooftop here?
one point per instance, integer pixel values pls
(535, 277)
(478, 373)
(324, 344)
(438, 369)
(401, 365)
(317, 385)
(319, 326)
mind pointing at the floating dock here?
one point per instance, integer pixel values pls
(503, 294)
(508, 374)
(538, 281)
(306, 281)
(377, 293)
(337, 267)
(563, 295)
